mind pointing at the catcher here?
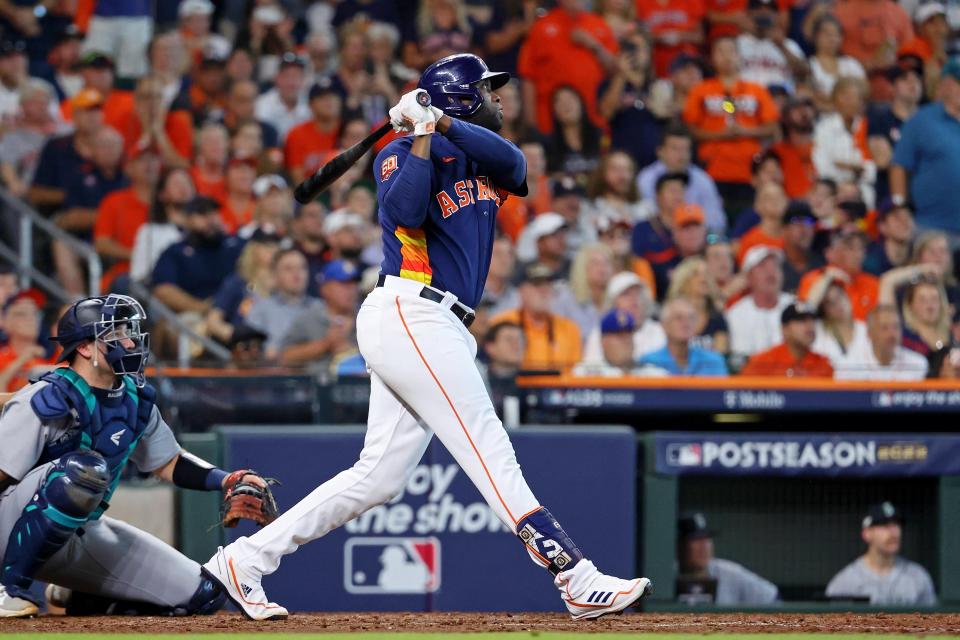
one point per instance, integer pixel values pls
(66, 439)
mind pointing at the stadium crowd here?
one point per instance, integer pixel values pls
(762, 187)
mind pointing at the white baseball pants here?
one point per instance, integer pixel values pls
(424, 381)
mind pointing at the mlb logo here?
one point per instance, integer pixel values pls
(685, 455)
(391, 565)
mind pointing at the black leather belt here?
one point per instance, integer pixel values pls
(463, 314)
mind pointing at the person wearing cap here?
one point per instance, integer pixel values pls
(239, 204)
(189, 272)
(121, 30)
(767, 56)
(689, 232)
(629, 293)
(553, 342)
(892, 248)
(926, 159)
(547, 233)
(60, 69)
(881, 573)
(873, 30)
(274, 207)
(799, 229)
(674, 155)
(667, 95)
(345, 233)
(770, 203)
(736, 585)
(793, 357)
(22, 352)
(122, 212)
(324, 332)
(195, 18)
(845, 254)
(20, 147)
(14, 72)
(97, 71)
(275, 314)
(616, 342)
(930, 42)
(206, 98)
(882, 355)
(152, 122)
(63, 157)
(569, 199)
(796, 147)
(310, 142)
(729, 117)
(679, 357)
(754, 320)
(622, 101)
(567, 46)
(285, 105)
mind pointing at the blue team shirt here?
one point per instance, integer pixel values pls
(439, 215)
(700, 362)
(198, 270)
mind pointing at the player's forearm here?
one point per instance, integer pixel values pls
(187, 471)
(495, 155)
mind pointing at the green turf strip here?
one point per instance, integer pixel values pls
(458, 636)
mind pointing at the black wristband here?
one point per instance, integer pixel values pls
(190, 472)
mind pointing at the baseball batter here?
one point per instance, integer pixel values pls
(66, 440)
(439, 191)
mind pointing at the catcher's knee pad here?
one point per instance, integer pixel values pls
(76, 485)
(547, 543)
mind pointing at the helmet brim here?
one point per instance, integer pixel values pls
(497, 78)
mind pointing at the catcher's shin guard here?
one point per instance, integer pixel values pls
(547, 543)
(72, 490)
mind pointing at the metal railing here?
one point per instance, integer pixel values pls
(28, 220)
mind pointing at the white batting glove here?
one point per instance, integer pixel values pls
(410, 115)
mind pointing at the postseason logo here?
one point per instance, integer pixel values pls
(383, 565)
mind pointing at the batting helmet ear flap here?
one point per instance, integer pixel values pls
(452, 83)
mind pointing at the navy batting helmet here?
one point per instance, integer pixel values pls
(452, 83)
(112, 319)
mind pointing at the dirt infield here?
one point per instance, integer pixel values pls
(914, 624)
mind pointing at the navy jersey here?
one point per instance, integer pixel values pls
(439, 215)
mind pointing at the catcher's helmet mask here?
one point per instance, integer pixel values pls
(114, 320)
(462, 87)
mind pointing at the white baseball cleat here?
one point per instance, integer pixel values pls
(242, 586)
(591, 594)
(13, 607)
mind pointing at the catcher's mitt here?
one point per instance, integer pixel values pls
(248, 496)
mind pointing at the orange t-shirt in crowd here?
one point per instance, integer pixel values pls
(778, 361)
(799, 173)
(755, 237)
(550, 59)
(729, 160)
(664, 16)
(727, 7)
(232, 219)
(17, 382)
(116, 106)
(869, 25)
(516, 212)
(862, 289)
(216, 189)
(552, 345)
(307, 146)
(119, 217)
(178, 127)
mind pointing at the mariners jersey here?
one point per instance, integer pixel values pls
(439, 215)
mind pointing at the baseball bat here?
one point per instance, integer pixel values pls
(328, 173)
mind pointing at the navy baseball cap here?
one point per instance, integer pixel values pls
(693, 525)
(340, 271)
(322, 87)
(567, 186)
(617, 321)
(882, 513)
(683, 59)
(202, 205)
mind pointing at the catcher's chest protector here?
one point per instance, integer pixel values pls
(108, 422)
